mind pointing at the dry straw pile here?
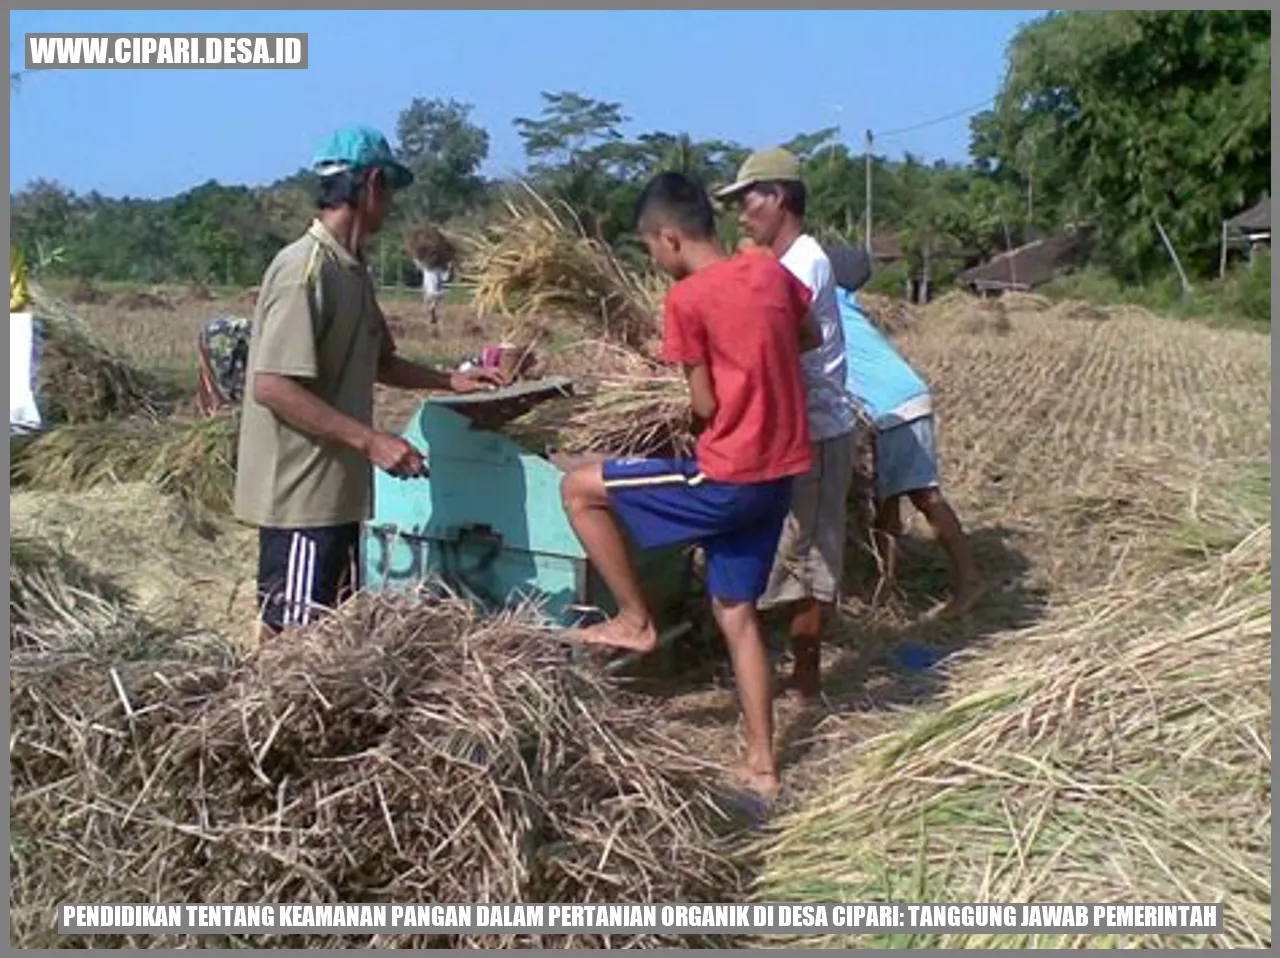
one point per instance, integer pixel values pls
(397, 753)
(1121, 753)
(79, 378)
(181, 566)
(889, 314)
(193, 459)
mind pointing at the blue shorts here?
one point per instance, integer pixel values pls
(906, 460)
(667, 502)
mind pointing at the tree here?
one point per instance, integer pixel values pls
(576, 153)
(42, 214)
(1144, 122)
(445, 150)
(805, 146)
(571, 125)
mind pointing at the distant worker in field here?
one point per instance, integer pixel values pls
(319, 343)
(738, 326)
(223, 351)
(434, 255)
(898, 402)
(809, 571)
(434, 279)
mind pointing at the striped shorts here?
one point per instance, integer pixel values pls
(302, 572)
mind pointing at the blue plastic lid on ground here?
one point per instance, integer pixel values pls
(914, 658)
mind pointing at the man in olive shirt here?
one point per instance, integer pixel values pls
(319, 344)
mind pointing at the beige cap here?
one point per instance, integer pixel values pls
(760, 167)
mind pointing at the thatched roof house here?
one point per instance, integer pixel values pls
(1254, 224)
(886, 249)
(1030, 265)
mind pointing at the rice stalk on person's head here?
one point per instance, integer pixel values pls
(193, 459)
(644, 415)
(397, 752)
(537, 260)
(1119, 752)
(78, 377)
(430, 246)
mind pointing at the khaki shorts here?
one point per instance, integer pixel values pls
(810, 559)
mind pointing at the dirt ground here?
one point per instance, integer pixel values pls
(1074, 443)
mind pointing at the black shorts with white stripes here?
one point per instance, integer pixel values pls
(302, 572)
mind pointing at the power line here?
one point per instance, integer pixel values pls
(942, 119)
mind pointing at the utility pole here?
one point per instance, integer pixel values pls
(867, 158)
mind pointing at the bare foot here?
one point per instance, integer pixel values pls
(965, 598)
(762, 783)
(619, 634)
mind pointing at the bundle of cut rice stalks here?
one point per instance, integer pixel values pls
(1119, 752)
(193, 459)
(645, 415)
(54, 601)
(398, 752)
(431, 247)
(538, 260)
(79, 378)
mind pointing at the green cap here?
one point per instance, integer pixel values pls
(760, 167)
(360, 147)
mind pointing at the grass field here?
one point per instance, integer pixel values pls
(1087, 450)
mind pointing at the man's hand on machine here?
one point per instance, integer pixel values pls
(396, 456)
(476, 380)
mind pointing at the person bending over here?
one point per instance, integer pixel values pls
(898, 401)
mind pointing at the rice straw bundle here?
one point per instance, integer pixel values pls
(192, 459)
(620, 415)
(79, 379)
(397, 752)
(54, 602)
(1119, 752)
(431, 247)
(538, 259)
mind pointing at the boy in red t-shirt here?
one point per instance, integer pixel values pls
(738, 326)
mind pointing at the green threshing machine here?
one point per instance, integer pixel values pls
(487, 523)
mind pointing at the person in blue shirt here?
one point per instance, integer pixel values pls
(897, 401)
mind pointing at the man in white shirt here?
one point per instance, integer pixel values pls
(809, 569)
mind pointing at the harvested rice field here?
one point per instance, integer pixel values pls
(1098, 727)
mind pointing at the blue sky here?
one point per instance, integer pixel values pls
(755, 77)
